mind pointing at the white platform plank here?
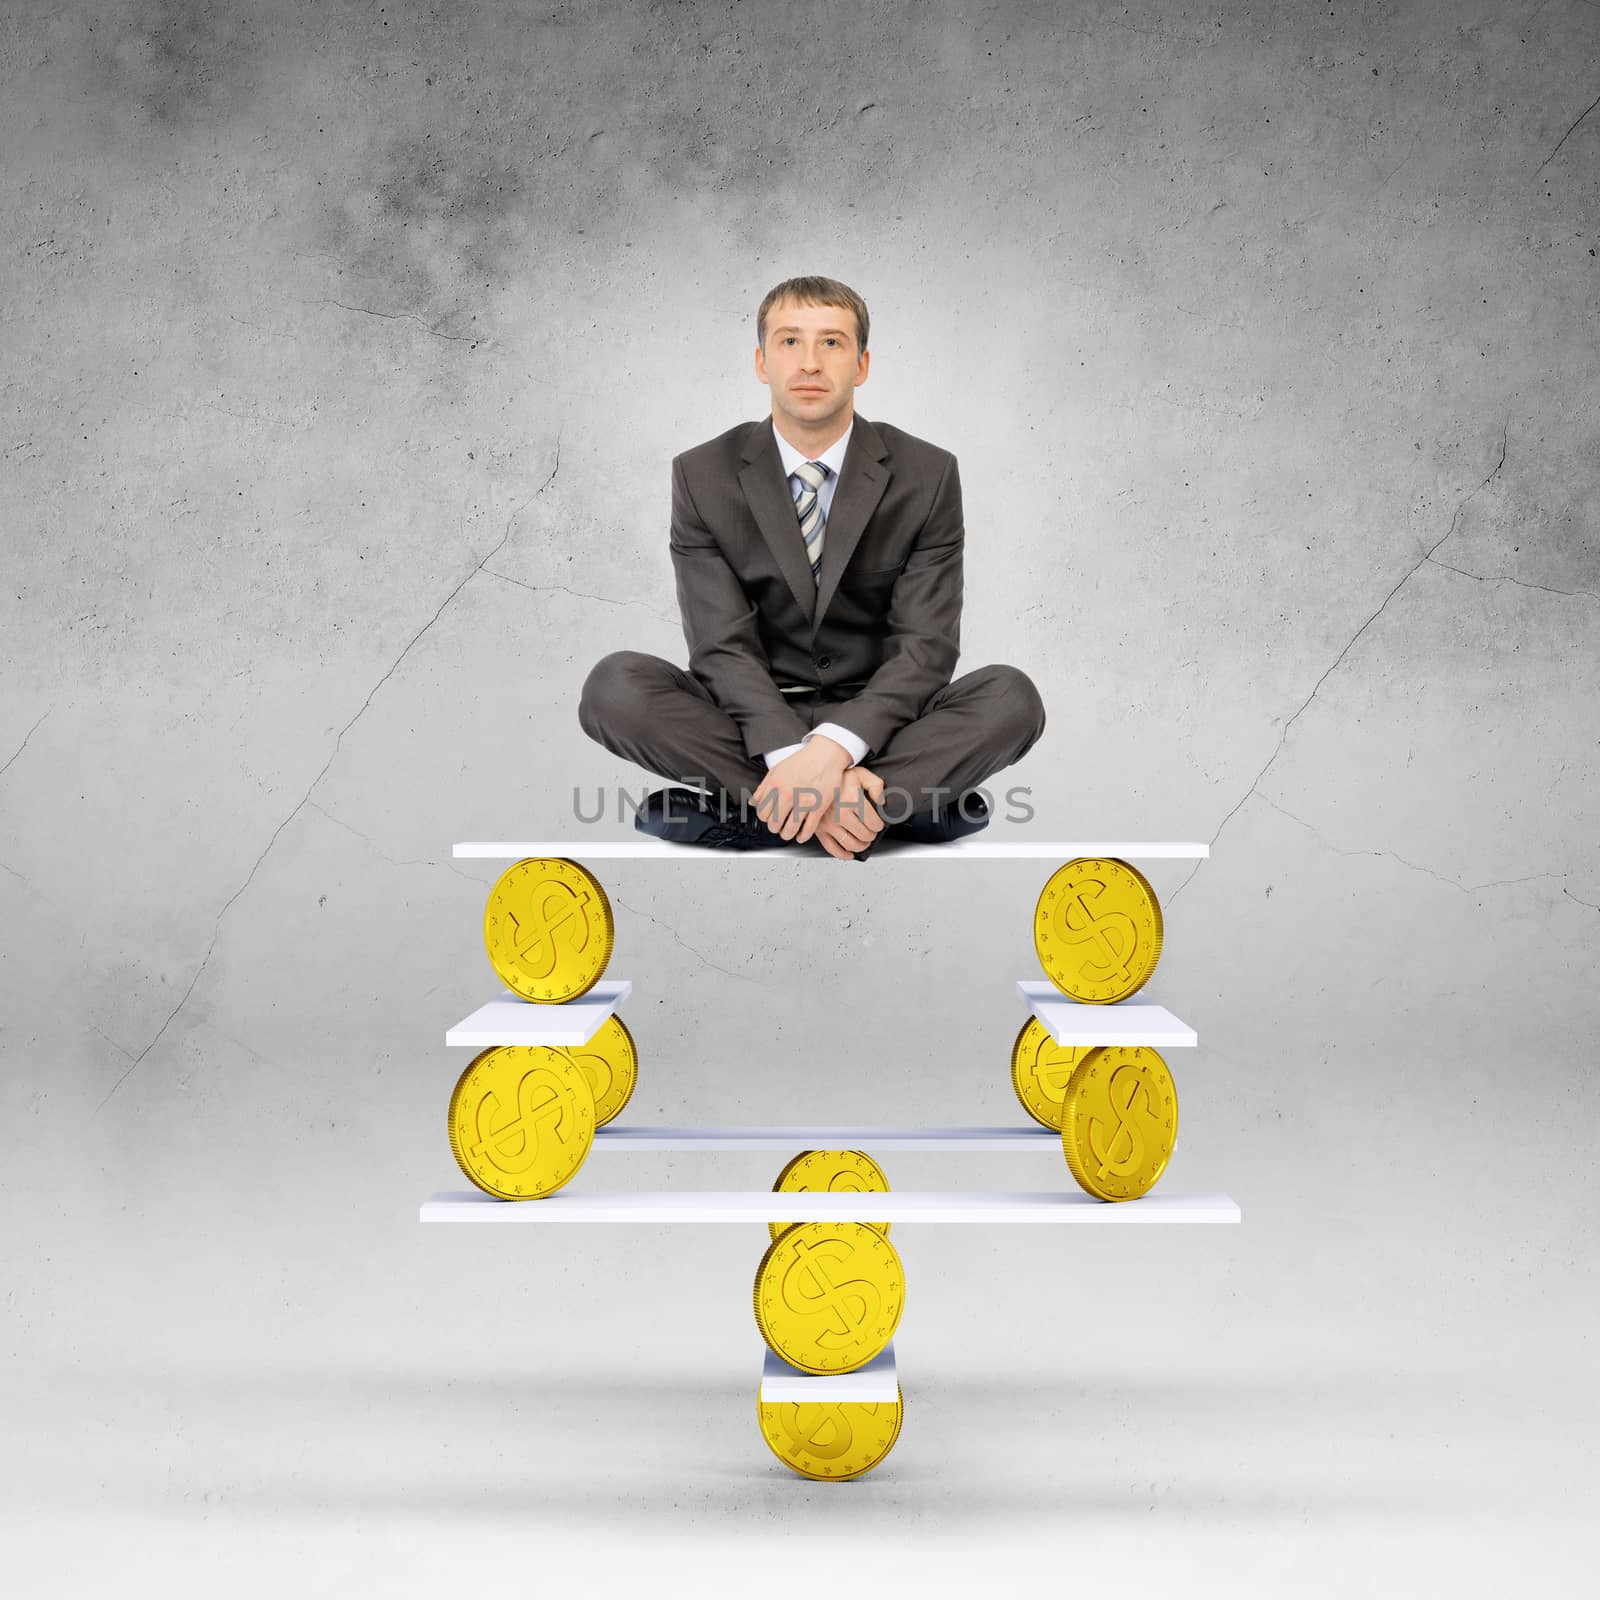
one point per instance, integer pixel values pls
(762, 1205)
(641, 849)
(1130, 1021)
(879, 1379)
(817, 1136)
(513, 1020)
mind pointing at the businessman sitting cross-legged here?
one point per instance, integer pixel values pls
(818, 559)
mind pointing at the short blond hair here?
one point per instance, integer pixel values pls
(815, 292)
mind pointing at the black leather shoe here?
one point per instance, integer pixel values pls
(952, 819)
(686, 816)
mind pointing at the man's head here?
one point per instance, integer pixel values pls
(811, 352)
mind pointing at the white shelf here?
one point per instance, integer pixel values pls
(1130, 1021)
(763, 1205)
(879, 1379)
(513, 1020)
(638, 849)
(819, 1137)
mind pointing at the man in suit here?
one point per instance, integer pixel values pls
(818, 559)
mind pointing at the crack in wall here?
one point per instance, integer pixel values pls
(216, 926)
(115, 1044)
(1394, 855)
(170, 1015)
(24, 745)
(1415, 138)
(400, 316)
(1564, 137)
(377, 849)
(69, 916)
(744, 976)
(494, 572)
(1284, 735)
(1505, 577)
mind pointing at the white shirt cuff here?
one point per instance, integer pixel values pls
(773, 757)
(853, 742)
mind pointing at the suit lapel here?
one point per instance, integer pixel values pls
(766, 487)
(862, 481)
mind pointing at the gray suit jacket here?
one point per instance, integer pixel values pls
(883, 621)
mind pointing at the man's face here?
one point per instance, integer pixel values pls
(810, 363)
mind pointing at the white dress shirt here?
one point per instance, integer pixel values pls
(833, 459)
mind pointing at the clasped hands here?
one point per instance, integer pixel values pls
(816, 793)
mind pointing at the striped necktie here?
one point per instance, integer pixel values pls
(804, 482)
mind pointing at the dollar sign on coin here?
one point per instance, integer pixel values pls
(611, 1064)
(1040, 1070)
(830, 1172)
(831, 1440)
(1097, 930)
(521, 1120)
(828, 1295)
(1119, 1120)
(548, 929)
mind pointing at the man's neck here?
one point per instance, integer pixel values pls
(813, 441)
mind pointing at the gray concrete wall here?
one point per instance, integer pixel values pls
(344, 352)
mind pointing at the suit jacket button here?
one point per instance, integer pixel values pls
(824, 661)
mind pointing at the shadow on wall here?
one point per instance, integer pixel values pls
(1246, 1446)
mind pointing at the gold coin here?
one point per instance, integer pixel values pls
(1119, 1120)
(1040, 1069)
(828, 1295)
(548, 929)
(611, 1064)
(831, 1440)
(521, 1120)
(830, 1172)
(1097, 929)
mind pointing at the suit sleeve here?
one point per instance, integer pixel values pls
(923, 640)
(719, 624)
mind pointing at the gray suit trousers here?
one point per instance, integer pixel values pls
(649, 711)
